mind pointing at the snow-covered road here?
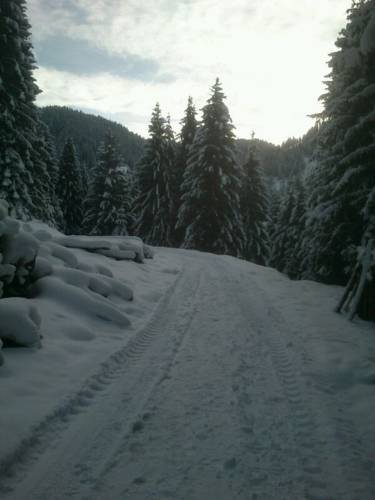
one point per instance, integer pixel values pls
(219, 396)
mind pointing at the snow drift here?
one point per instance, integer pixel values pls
(40, 264)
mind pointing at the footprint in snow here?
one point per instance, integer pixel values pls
(137, 426)
(139, 480)
(230, 464)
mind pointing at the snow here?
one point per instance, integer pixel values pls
(220, 379)
(20, 322)
(117, 247)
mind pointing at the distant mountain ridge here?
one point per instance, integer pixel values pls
(87, 132)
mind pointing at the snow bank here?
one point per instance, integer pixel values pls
(41, 263)
(117, 247)
(20, 322)
(82, 307)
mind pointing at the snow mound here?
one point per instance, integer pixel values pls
(116, 247)
(78, 333)
(64, 275)
(20, 322)
(98, 284)
(78, 300)
(56, 272)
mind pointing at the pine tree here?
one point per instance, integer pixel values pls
(153, 203)
(170, 155)
(287, 236)
(70, 189)
(45, 174)
(114, 214)
(95, 189)
(279, 238)
(85, 173)
(275, 198)
(346, 154)
(254, 208)
(295, 231)
(359, 294)
(189, 128)
(210, 213)
(48, 151)
(24, 176)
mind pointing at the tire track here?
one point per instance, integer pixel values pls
(145, 408)
(273, 450)
(128, 365)
(333, 462)
(45, 432)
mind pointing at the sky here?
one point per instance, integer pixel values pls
(117, 58)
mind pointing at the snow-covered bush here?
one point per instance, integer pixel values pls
(18, 251)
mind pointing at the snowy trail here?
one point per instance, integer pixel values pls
(211, 400)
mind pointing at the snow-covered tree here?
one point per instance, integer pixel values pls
(45, 177)
(94, 185)
(359, 295)
(345, 172)
(287, 233)
(94, 194)
(70, 189)
(279, 237)
(189, 127)
(275, 198)
(170, 154)
(293, 251)
(114, 207)
(210, 214)
(24, 176)
(153, 203)
(254, 208)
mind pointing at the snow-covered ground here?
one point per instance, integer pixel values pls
(225, 381)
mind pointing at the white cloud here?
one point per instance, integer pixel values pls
(270, 55)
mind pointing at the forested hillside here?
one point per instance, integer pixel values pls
(87, 132)
(280, 162)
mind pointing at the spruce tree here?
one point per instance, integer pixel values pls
(24, 159)
(153, 203)
(170, 155)
(279, 238)
(210, 213)
(95, 189)
(189, 127)
(293, 251)
(359, 294)
(114, 210)
(275, 198)
(288, 232)
(254, 208)
(45, 174)
(70, 189)
(345, 157)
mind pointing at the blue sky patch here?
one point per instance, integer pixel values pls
(80, 57)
